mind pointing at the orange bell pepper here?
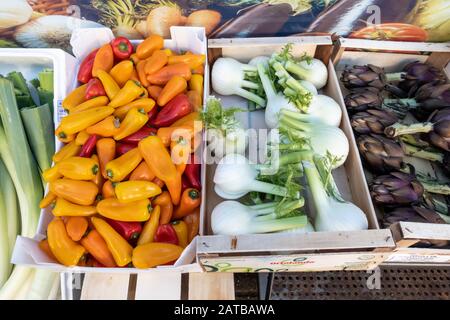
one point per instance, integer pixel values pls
(133, 121)
(69, 150)
(154, 91)
(45, 247)
(119, 168)
(78, 168)
(97, 247)
(189, 120)
(140, 68)
(146, 104)
(104, 60)
(130, 91)
(181, 230)
(122, 72)
(64, 208)
(192, 221)
(108, 127)
(74, 123)
(51, 174)
(76, 227)
(199, 70)
(129, 191)
(146, 48)
(120, 249)
(131, 211)
(79, 192)
(163, 76)
(64, 137)
(47, 200)
(142, 172)
(193, 60)
(98, 180)
(99, 101)
(134, 58)
(157, 61)
(106, 151)
(165, 202)
(66, 251)
(153, 254)
(159, 182)
(150, 227)
(195, 100)
(196, 84)
(190, 200)
(181, 150)
(108, 190)
(174, 87)
(81, 138)
(109, 84)
(159, 161)
(134, 75)
(75, 98)
(169, 134)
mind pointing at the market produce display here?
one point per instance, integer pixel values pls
(398, 117)
(304, 146)
(125, 189)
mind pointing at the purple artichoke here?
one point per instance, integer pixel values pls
(372, 121)
(396, 188)
(363, 76)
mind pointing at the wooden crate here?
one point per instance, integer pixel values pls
(393, 56)
(316, 251)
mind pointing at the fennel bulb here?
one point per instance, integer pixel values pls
(234, 218)
(236, 176)
(307, 228)
(332, 213)
(228, 77)
(312, 70)
(324, 139)
(14, 13)
(224, 133)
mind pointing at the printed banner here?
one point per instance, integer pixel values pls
(49, 23)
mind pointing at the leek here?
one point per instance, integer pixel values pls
(11, 205)
(5, 266)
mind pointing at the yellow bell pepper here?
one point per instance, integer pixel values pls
(98, 180)
(122, 72)
(78, 168)
(99, 101)
(189, 119)
(193, 60)
(159, 161)
(81, 138)
(108, 127)
(154, 254)
(131, 211)
(64, 137)
(64, 208)
(47, 200)
(196, 84)
(109, 84)
(130, 91)
(69, 150)
(134, 120)
(75, 191)
(181, 230)
(129, 191)
(74, 98)
(144, 103)
(65, 250)
(120, 249)
(119, 168)
(51, 174)
(149, 230)
(74, 123)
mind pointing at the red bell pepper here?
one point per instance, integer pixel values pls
(152, 113)
(122, 48)
(185, 183)
(192, 172)
(175, 109)
(94, 89)
(122, 148)
(130, 231)
(85, 71)
(166, 233)
(144, 132)
(88, 147)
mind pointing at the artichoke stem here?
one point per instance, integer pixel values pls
(396, 76)
(435, 187)
(398, 129)
(416, 152)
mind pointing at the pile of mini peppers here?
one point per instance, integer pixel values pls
(125, 188)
